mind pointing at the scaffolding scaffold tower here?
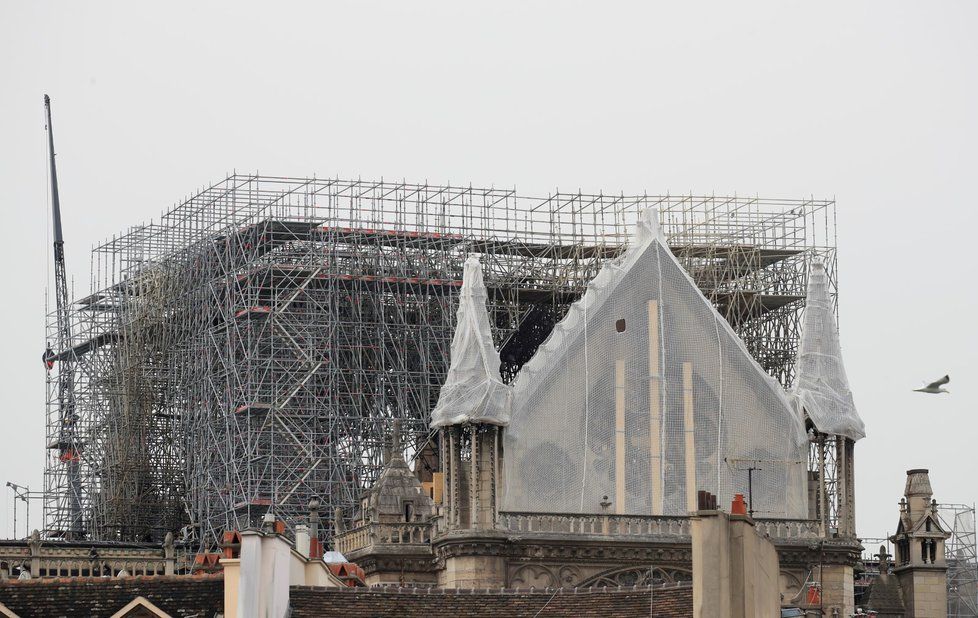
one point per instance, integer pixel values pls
(962, 560)
(252, 349)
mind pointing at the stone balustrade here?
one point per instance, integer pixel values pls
(402, 533)
(521, 523)
(614, 525)
(640, 525)
(788, 529)
(54, 559)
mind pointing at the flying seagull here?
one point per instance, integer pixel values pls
(935, 387)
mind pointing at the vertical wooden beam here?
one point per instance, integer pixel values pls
(689, 428)
(620, 436)
(655, 409)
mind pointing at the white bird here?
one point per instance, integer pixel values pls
(935, 387)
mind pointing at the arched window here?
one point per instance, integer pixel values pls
(408, 511)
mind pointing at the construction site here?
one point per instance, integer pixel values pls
(248, 357)
(251, 349)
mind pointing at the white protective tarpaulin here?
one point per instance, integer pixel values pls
(821, 387)
(642, 395)
(473, 391)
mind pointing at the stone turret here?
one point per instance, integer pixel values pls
(919, 543)
(397, 496)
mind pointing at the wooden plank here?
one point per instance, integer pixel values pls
(620, 436)
(689, 428)
(655, 409)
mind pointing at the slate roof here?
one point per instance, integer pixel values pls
(379, 602)
(884, 596)
(201, 596)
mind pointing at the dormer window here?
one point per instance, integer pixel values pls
(408, 511)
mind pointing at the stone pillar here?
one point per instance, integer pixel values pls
(471, 548)
(485, 459)
(34, 543)
(482, 567)
(838, 589)
(471, 456)
(845, 453)
(170, 564)
(455, 440)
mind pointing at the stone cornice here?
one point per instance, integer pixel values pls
(909, 568)
(565, 550)
(840, 553)
(395, 564)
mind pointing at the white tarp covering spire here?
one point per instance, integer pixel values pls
(473, 391)
(641, 396)
(821, 387)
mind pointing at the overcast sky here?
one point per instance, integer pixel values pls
(873, 103)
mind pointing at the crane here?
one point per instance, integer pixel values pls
(66, 442)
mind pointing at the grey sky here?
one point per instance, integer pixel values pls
(873, 103)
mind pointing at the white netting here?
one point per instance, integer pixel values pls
(601, 412)
(473, 391)
(821, 387)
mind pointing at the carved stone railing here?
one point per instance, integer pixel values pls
(788, 529)
(57, 559)
(373, 534)
(567, 524)
(640, 525)
(583, 524)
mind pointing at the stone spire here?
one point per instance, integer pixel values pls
(396, 450)
(821, 386)
(473, 391)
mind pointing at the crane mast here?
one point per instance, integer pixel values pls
(65, 442)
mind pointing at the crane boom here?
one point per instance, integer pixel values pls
(70, 521)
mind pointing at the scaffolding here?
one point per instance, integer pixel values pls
(962, 560)
(251, 349)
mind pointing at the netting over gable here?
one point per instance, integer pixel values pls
(821, 386)
(473, 391)
(643, 395)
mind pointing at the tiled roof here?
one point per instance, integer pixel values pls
(667, 602)
(178, 595)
